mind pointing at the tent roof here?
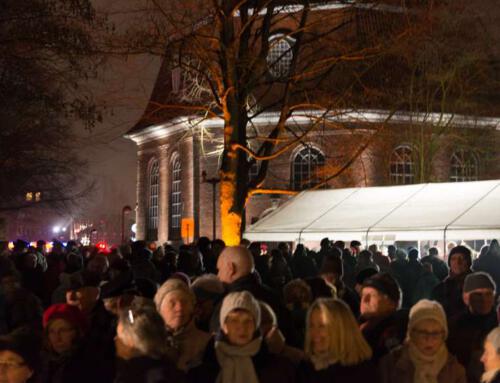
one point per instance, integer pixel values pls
(434, 211)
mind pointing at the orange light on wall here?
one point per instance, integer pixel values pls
(187, 229)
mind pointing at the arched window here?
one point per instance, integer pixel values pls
(154, 186)
(280, 55)
(305, 166)
(402, 170)
(175, 199)
(464, 166)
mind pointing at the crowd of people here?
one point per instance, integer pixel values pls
(247, 314)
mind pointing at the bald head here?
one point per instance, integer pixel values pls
(234, 262)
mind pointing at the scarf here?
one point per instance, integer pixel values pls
(427, 368)
(236, 362)
(322, 361)
(488, 376)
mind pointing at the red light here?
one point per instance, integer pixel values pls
(101, 245)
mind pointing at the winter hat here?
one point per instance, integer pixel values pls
(208, 287)
(365, 274)
(386, 284)
(84, 278)
(242, 300)
(25, 343)
(426, 309)
(464, 250)
(478, 280)
(71, 314)
(332, 264)
(173, 284)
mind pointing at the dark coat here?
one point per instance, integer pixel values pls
(465, 340)
(77, 367)
(449, 294)
(489, 263)
(363, 372)
(385, 334)
(147, 370)
(270, 368)
(439, 267)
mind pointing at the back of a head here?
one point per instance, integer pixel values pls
(339, 244)
(413, 254)
(434, 251)
(144, 328)
(401, 254)
(241, 257)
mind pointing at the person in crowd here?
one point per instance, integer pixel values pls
(449, 291)
(439, 267)
(285, 250)
(301, 264)
(355, 247)
(381, 260)
(491, 357)
(67, 356)
(261, 262)
(391, 252)
(489, 261)
(361, 277)
(21, 307)
(399, 269)
(190, 261)
(414, 273)
(336, 348)
(424, 356)
(141, 262)
(238, 354)
(425, 284)
(325, 246)
(209, 291)
(383, 323)
(297, 297)
(175, 302)
(349, 267)
(20, 357)
(279, 272)
(332, 271)
(141, 349)
(84, 293)
(469, 328)
(365, 261)
(235, 269)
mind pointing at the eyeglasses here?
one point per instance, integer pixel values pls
(10, 366)
(428, 334)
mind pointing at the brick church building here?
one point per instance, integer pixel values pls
(179, 153)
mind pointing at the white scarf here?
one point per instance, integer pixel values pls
(488, 376)
(427, 368)
(236, 362)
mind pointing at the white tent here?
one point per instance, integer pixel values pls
(434, 211)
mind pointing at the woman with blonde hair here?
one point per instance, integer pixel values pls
(335, 346)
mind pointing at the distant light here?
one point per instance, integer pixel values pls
(33, 244)
(56, 229)
(63, 229)
(11, 245)
(134, 228)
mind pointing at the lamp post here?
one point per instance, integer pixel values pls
(212, 181)
(125, 210)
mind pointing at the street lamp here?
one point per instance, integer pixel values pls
(125, 210)
(212, 181)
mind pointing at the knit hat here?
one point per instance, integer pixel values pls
(84, 278)
(242, 300)
(172, 284)
(25, 343)
(478, 280)
(386, 284)
(426, 309)
(71, 314)
(364, 274)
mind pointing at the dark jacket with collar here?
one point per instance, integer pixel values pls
(147, 370)
(363, 372)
